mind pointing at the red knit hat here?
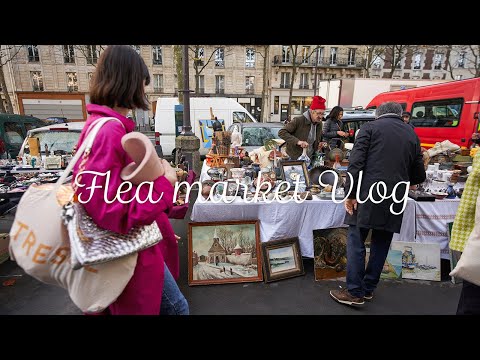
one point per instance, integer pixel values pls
(318, 103)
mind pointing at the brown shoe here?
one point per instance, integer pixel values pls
(344, 297)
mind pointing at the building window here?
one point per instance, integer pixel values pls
(458, 77)
(68, 54)
(220, 57)
(250, 58)
(396, 59)
(416, 61)
(72, 81)
(303, 81)
(157, 55)
(136, 48)
(200, 59)
(333, 56)
(332, 76)
(285, 54)
(350, 76)
(321, 52)
(249, 84)
(219, 84)
(276, 102)
(351, 56)
(305, 52)
(285, 80)
(158, 82)
(37, 80)
(33, 53)
(377, 63)
(201, 84)
(89, 77)
(92, 54)
(437, 60)
(461, 60)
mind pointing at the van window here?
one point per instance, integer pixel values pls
(13, 133)
(241, 117)
(58, 140)
(438, 113)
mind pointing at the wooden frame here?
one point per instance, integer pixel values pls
(224, 252)
(296, 165)
(289, 264)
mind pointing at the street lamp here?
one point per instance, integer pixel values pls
(187, 127)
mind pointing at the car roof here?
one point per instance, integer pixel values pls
(354, 115)
(258, 124)
(71, 126)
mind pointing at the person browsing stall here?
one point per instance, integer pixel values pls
(117, 87)
(386, 151)
(332, 130)
(305, 131)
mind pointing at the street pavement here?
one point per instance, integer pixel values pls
(296, 296)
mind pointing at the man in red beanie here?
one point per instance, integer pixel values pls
(305, 131)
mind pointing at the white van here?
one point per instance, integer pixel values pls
(169, 119)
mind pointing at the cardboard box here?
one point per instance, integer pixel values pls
(4, 240)
(34, 145)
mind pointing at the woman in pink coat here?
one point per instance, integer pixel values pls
(118, 86)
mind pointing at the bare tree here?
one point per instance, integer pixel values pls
(7, 53)
(394, 54)
(471, 59)
(90, 52)
(198, 56)
(295, 64)
(294, 51)
(177, 59)
(265, 54)
(372, 53)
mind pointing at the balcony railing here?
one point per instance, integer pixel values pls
(284, 86)
(220, 91)
(304, 86)
(157, 61)
(34, 58)
(250, 91)
(201, 90)
(158, 89)
(322, 62)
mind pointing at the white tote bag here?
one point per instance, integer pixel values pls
(40, 245)
(468, 267)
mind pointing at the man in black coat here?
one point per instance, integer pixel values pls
(386, 150)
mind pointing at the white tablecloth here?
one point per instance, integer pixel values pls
(431, 220)
(423, 221)
(279, 220)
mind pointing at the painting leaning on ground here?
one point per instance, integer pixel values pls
(224, 252)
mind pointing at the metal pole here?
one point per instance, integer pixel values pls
(315, 84)
(187, 127)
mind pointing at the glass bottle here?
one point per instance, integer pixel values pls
(337, 164)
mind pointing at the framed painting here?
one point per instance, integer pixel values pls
(420, 261)
(330, 253)
(224, 252)
(295, 169)
(282, 259)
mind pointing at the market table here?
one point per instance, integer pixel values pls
(290, 219)
(423, 221)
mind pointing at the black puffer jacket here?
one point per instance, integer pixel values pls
(330, 129)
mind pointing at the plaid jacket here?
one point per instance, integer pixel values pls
(465, 218)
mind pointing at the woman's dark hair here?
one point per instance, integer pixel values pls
(118, 80)
(335, 112)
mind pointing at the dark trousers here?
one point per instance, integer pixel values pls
(361, 281)
(469, 303)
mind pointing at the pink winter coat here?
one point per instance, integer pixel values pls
(143, 293)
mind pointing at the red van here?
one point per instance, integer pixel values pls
(447, 111)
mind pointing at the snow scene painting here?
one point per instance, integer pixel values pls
(224, 252)
(282, 259)
(419, 260)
